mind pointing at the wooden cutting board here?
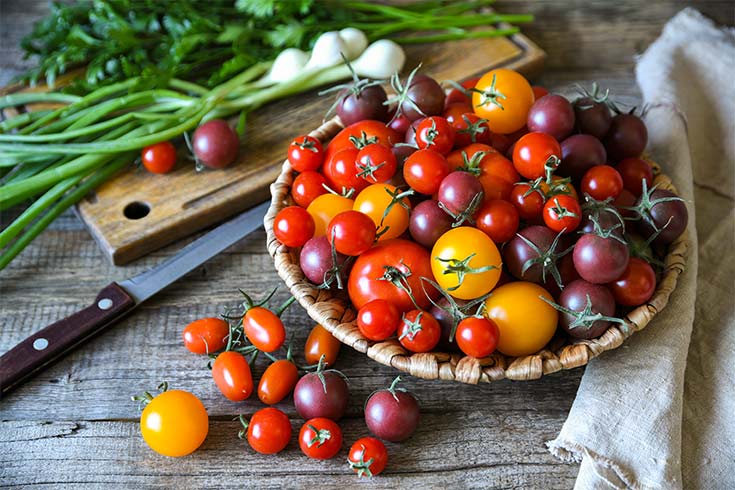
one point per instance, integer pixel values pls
(137, 212)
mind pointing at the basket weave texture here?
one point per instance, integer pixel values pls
(338, 316)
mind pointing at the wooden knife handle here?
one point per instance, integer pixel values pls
(45, 346)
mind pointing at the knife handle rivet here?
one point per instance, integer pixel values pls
(104, 304)
(40, 343)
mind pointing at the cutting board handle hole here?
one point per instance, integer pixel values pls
(137, 210)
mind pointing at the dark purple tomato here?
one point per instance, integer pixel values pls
(671, 216)
(446, 322)
(314, 399)
(634, 171)
(574, 297)
(600, 260)
(426, 94)
(316, 260)
(400, 124)
(606, 219)
(579, 153)
(626, 138)
(551, 114)
(623, 202)
(401, 153)
(392, 414)
(517, 252)
(592, 117)
(567, 272)
(410, 136)
(215, 144)
(460, 190)
(367, 104)
(428, 222)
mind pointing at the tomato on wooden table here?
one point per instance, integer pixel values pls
(206, 335)
(159, 158)
(231, 374)
(320, 438)
(264, 329)
(321, 342)
(268, 431)
(277, 381)
(368, 457)
(174, 423)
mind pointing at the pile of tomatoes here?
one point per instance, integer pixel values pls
(175, 423)
(482, 217)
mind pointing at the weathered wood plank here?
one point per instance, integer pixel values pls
(475, 449)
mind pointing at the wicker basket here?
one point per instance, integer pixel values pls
(337, 315)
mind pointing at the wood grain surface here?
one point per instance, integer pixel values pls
(75, 427)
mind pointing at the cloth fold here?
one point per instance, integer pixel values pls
(658, 411)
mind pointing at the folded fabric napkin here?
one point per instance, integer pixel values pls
(659, 412)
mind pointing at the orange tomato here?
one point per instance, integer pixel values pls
(174, 423)
(503, 97)
(374, 201)
(277, 381)
(321, 342)
(326, 207)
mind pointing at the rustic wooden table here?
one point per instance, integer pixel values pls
(74, 425)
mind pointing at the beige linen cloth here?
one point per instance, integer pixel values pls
(659, 412)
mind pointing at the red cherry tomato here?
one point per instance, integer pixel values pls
(269, 431)
(264, 329)
(601, 182)
(307, 186)
(634, 171)
(378, 319)
(159, 158)
(424, 171)
(539, 92)
(206, 335)
(305, 153)
(497, 176)
(368, 457)
(376, 163)
(351, 232)
(562, 213)
(231, 374)
(341, 171)
(454, 111)
(293, 226)
(320, 438)
(534, 152)
(375, 275)
(435, 133)
(419, 331)
(321, 342)
(277, 381)
(498, 219)
(477, 337)
(528, 201)
(636, 285)
(362, 133)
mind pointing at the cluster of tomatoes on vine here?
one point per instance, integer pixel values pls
(480, 217)
(175, 423)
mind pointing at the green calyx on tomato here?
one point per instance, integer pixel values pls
(461, 268)
(397, 197)
(320, 436)
(467, 214)
(146, 397)
(360, 142)
(361, 466)
(414, 327)
(472, 164)
(402, 95)
(490, 95)
(457, 313)
(473, 128)
(547, 259)
(585, 318)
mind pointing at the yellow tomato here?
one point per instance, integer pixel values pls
(174, 423)
(503, 98)
(526, 322)
(326, 207)
(465, 262)
(374, 200)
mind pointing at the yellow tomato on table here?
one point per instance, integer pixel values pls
(526, 322)
(465, 262)
(503, 97)
(174, 423)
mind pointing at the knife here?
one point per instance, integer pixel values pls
(118, 299)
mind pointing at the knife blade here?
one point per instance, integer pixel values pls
(119, 298)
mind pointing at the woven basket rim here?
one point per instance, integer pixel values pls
(338, 316)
